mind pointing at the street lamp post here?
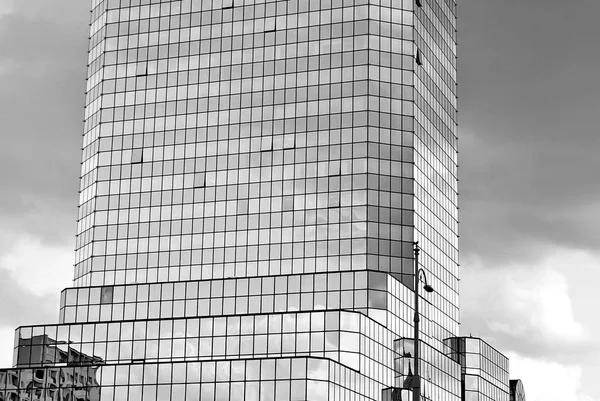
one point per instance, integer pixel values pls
(416, 381)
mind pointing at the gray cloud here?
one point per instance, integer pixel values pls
(60, 12)
(529, 97)
(22, 307)
(529, 312)
(515, 202)
(529, 101)
(529, 340)
(42, 75)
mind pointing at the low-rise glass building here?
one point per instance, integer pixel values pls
(485, 374)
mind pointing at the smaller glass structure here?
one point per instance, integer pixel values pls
(484, 369)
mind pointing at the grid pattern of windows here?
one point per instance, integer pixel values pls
(349, 338)
(297, 379)
(264, 138)
(372, 293)
(435, 364)
(435, 145)
(484, 369)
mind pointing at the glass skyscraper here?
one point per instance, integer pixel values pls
(254, 176)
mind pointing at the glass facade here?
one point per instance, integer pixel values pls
(254, 176)
(484, 370)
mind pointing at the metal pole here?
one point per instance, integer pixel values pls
(417, 380)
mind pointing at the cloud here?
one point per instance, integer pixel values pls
(544, 300)
(528, 134)
(529, 308)
(7, 6)
(32, 276)
(548, 381)
(541, 314)
(530, 209)
(23, 306)
(7, 339)
(39, 269)
(42, 75)
(60, 12)
(517, 197)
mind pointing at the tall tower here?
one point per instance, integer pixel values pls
(254, 176)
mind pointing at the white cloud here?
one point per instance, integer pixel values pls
(7, 339)
(32, 275)
(520, 302)
(537, 312)
(41, 269)
(6, 66)
(548, 381)
(540, 299)
(6, 7)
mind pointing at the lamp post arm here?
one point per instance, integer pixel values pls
(421, 273)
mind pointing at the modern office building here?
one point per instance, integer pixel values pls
(254, 176)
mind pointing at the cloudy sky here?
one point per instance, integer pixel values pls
(529, 166)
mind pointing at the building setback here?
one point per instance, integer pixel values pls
(255, 174)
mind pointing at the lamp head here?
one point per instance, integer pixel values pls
(428, 288)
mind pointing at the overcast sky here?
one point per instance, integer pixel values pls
(529, 100)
